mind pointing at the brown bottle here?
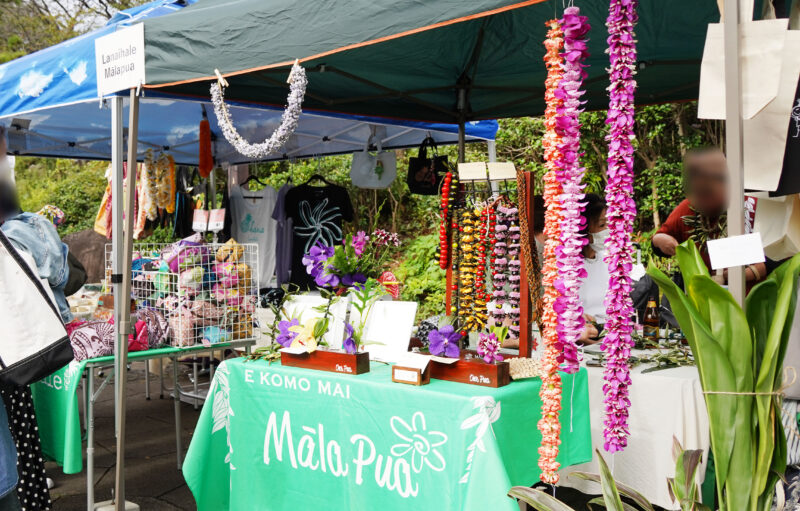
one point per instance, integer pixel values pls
(651, 320)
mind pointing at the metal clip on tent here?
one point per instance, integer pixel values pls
(221, 79)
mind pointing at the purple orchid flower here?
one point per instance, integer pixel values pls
(445, 342)
(359, 242)
(286, 336)
(354, 280)
(349, 343)
(324, 278)
(316, 256)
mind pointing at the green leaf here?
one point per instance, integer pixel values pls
(769, 374)
(610, 493)
(685, 482)
(624, 490)
(600, 501)
(537, 499)
(714, 368)
(690, 261)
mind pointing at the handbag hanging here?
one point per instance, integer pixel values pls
(35, 342)
(426, 174)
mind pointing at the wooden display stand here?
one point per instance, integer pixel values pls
(473, 371)
(526, 342)
(324, 360)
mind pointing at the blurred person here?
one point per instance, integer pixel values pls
(37, 236)
(701, 216)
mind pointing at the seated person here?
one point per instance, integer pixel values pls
(699, 216)
(595, 285)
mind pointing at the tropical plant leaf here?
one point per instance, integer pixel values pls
(714, 368)
(768, 373)
(690, 261)
(624, 490)
(539, 500)
(601, 503)
(608, 486)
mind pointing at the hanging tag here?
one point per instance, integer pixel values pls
(735, 251)
(216, 220)
(200, 220)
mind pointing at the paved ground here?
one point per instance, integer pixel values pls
(153, 480)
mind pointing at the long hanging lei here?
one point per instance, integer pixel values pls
(621, 212)
(550, 392)
(569, 252)
(289, 119)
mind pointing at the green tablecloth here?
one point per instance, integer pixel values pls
(274, 437)
(55, 400)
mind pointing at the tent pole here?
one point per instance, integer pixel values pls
(462, 121)
(125, 292)
(117, 141)
(734, 140)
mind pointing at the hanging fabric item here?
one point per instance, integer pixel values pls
(205, 158)
(102, 223)
(289, 119)
(172, 186)
(621, 214)
(569, 253)
(550, 391)
(147, 187)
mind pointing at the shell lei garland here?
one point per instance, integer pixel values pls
(570, 173)
(550, 392)
(289, 119)
(621, 212)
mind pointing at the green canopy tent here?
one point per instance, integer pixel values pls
(409, 59)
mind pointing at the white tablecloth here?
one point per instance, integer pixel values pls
(663, 403)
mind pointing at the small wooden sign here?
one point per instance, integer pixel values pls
(473, 371)
(411, 375)
(332, 361)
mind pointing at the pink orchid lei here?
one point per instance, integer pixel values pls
(550, 391)
(621, 212)
(570, 173)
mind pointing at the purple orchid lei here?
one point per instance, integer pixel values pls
(570, 174)
(621, 213)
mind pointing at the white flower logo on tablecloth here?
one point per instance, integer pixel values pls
(488, 412)
(222, 411)
(421, 443)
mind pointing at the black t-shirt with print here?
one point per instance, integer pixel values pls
(317, 213)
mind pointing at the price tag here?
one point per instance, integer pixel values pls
(216, 220)
(200, 220)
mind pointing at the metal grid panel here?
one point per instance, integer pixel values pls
(205, 294)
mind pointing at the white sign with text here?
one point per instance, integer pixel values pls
(119, 59)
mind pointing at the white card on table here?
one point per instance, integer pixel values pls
(736, 251)
(502, 170)
(389, 327)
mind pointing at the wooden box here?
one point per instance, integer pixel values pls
(411, 375)
(324, 360)
(473, 371)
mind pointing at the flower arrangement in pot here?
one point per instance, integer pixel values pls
(353, 267)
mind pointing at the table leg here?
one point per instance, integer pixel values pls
(90, 439)
(176, 392)
(211, 370)
(194, 374)
(247, 350)
(147, 380)
(161, 377)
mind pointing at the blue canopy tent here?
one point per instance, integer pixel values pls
(51, 108)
